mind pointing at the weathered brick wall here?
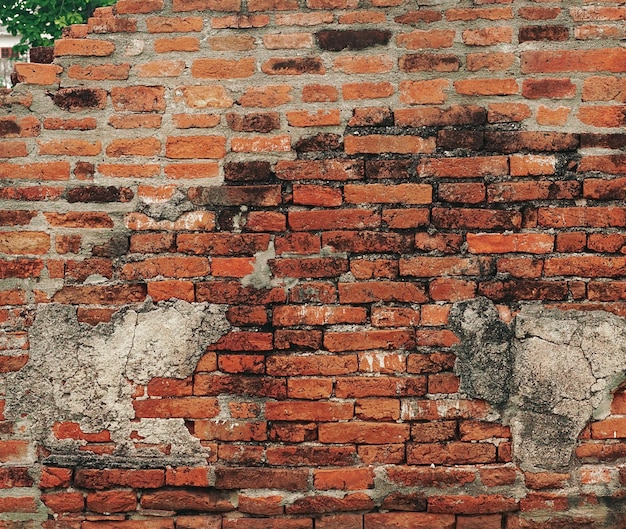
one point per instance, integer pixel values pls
(327, 179)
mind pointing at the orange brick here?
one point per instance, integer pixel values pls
(190, 147)
(369, 64)
(133, 147)
(320, 118)
(38, 74)
(70, 147)
(319, 93)
(367, 90)
(266, 96)
(487, 87)
(488, 36)
(424, 92)
(261, 144)
(294, 41)
(83, 47)
(421, 39)
(240, 21)
(223, 68)
(388, 194)
(125, 7)
(553, 61)
(160, 69)
(174, 24)
(376, 144)
(343, 479)
(487, 243)
(100, 72)
(204, 96)
(496, 61)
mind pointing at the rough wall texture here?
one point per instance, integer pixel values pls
(317, 264)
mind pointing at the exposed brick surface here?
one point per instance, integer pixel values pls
(333, 175)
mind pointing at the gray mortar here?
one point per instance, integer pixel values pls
(547, 374)
(171, 210)
(261, 276)
(82, 373)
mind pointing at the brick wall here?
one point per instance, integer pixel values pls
(333, 175)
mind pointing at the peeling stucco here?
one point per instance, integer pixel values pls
(547, 373)
(83, 373)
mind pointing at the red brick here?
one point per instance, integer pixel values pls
(100, 72)
(377, 409)
(394, 316)
(558, 88)
(409, 520)
(464, 167)
(214, 385)
(308, 411)
(37, 74)
(377, 144)
(223, 68)
(486, 521)
(83, 47)
(138, 98)
(187, 477)
(493, 62)
(173, 24)
(371, 292)
(508, 112)
(388, 194)
(110, 501)
(55, 477)
(17, 504)
(170, 387)
(366, 269)
(454, 453)
(193, 147)
(319, 93)
(235, 478)
(367, 339)
(293, 66)
(489, 243)
(424, 92)
(36, 171)
(24, 242)
(311, 365)
(309, 388)
(72, 430)
(266, 96)
(265, 506)
(380, 386)
(465, 193)
(125, 7)
(320, 118)
(130, 524)
(185, 407)
(487, 87)
(344, 479)
(230, 430)
(186, 500)
(554, 61)
(488, 36)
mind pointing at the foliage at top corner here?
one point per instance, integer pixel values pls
(40, 22)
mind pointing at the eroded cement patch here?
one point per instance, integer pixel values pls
(548, 373)
(84, 374)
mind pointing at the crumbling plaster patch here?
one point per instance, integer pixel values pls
(547, 373)
(85, 374)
